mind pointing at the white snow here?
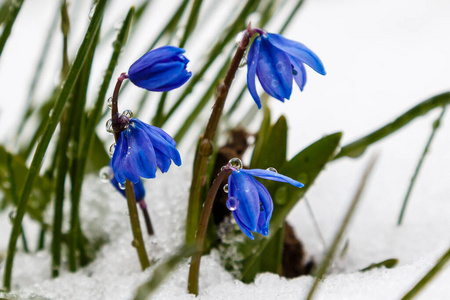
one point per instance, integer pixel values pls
(382, 57)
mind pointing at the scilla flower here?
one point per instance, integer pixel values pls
(276, 61)
(249, 200)
(140, 149)
(160, 70)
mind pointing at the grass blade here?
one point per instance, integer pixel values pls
(440, 264)
(337, 239)
(14, 9)
(419, 165)
(52, 122)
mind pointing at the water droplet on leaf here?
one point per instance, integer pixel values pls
(232, 203)
(92, 11)
(235, 163)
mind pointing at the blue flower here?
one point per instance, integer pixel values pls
(160, 70)
(142, 148)
(249, 200)
(139, 190)
(277, 60)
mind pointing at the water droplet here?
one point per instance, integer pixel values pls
(265, 231)
(12, 215)
(135, 243)
(128, 113)
(225, 188)
(272, 169)
(50, 114)
(122, 186)
(109, 102)
(127, 212)
(109, 127)
(111, 149)
(280, 67)
(235, 163)
(106, 174)
(232, 203)
(223, 168)
(92, 11)
(239, 37)
(275, 84)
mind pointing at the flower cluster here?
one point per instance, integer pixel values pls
(249, 200)
(277, 61)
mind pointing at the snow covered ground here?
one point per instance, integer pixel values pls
(382, 57)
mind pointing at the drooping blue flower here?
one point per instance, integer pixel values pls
(142, 148)
(161, 70)
(249, 200)
(276, 61)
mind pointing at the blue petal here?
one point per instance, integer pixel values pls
(242, 226)
(252, 60)
(162, 54)
(274, 71)
(300, 77)
(267, 208)
(266, 174)
(160, 142)
(117, 159)
(162, 76)
(143, 149)
(139, 190)
(240, 186)
(298, 51)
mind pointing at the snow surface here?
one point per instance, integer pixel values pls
(382, 57)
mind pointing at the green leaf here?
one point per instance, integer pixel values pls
(388, 263)
(41, 193)
(261, 139)
(14, 8)
(304, 167)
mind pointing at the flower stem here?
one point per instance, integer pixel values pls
(201, 232)
(138, 241)
(148, 222)
(205, 146)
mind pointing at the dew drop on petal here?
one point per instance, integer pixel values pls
(280, 67)
(272, 169)
(225, 188)
(105, 174)
(232, 203)
(128, 113)
(109, 127)
(275, 84)
(111, 149)
(121, 186)
(109, 102)
(235, 163)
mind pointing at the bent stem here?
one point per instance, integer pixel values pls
(205, 146)
(201, 232)
(138, 241)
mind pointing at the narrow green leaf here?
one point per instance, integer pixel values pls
(52, 122)
(261, 139)
(192, 21)
(162, 272)
(337, 239)
(419, 165)
(388, 263)
(439, 266)
(357, 148)
(14, 8)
